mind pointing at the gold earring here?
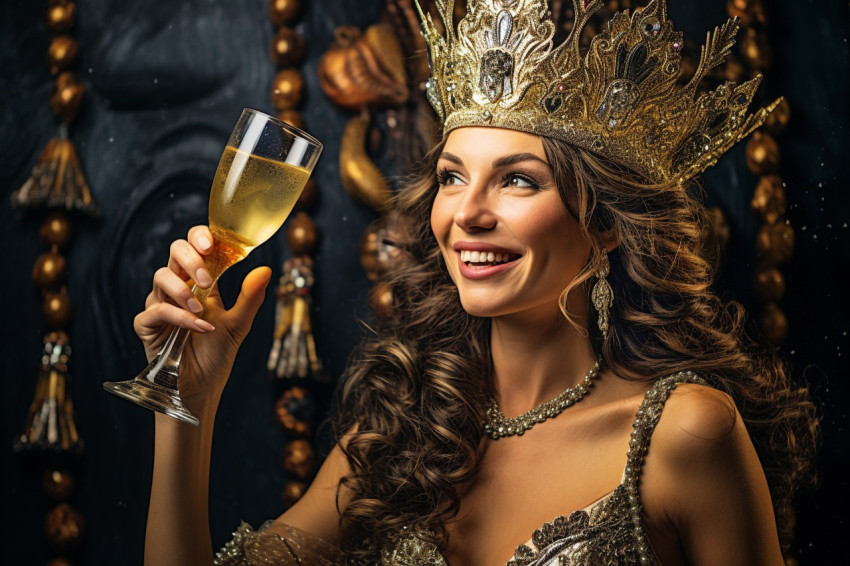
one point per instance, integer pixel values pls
(602, 295)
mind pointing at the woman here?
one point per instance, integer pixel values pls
(499, 403)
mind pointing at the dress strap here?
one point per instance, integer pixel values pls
(646, 419)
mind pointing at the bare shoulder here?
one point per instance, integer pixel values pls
(698, 412)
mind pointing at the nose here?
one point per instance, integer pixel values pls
(475, 210)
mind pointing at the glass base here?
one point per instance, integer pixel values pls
(152, 396)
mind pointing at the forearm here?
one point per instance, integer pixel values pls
(178, 517)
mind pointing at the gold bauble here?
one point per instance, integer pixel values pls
(59, 561)
(292, 117)
(775, 243)
(734, 71)
(778, 119)
(64, 527)
(299, 458)
(58, 485)
(57, 310)
(60, 15)
(773, 323)
(302, 234)
(370, 246)
(769, 284)
(381, 300)
(755, 51)
(293, 491)
(287, 48)
(66, 97)
(769, 199)
(293, 410)
(62, 53)
(56, 230)
(282, 12)
(307, 200)
(287, 89)
(762, 153)
(48, 274)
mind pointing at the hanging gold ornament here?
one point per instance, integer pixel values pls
(381, 300)
(60, 15)
(292, 492)
(299, 458)
(293, 352)
(50, 422)
(287, 89)
(66, 97)
(775, 243)
(769, 284)
(778, 120)
(769, 199)
(49, 271)
(56, 230)
(361, 178)
(58, 485)
(57, 181)
(64, 528)
(295, 411)
(302, 234)
(773, 323)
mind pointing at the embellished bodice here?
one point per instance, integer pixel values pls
(609, 531)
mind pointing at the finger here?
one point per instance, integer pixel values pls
(151, 321)
(250, 298)
(184, 257)
(168, 285)
(202, 239)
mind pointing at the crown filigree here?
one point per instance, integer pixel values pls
(620, 99)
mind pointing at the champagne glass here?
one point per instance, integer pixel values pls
(260, 176)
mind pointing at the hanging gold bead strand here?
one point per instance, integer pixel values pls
(58, 186)
(293, 354)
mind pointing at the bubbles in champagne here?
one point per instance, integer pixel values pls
(251, 196)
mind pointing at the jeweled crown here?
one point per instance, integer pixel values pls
(621, 99)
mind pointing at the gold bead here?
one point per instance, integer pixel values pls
(60, 15)
(56, 230)
(62, 54)
(302, 234)
(755, 51)
(66, 97)
(381, 300)
(64, 528)
(293, 491)
(287, 48)
(58, 485)
(769, 284)
(769, 199)
(299, 458)
(287, 89)
(282, 12)
(762, 153)
(773, 323)
(775, 243)
(48, 274)
(57, 309)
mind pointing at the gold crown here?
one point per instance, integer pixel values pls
(620, 100)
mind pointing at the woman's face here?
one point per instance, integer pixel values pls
(508, 241)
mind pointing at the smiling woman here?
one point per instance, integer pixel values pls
(560, 383)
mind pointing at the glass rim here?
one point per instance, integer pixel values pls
(288, 127)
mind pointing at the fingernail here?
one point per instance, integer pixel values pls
(204, 242)
(194, 305)
(203, 325)
(203, 277)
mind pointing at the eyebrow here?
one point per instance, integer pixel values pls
(504, 161)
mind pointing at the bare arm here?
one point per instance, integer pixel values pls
(178, 523)
(704, 482)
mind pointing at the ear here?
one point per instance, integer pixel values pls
(608, 239)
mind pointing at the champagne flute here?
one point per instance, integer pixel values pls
(260, 176)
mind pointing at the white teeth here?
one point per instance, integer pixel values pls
(468, 256)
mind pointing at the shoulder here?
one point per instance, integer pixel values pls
(697, 413)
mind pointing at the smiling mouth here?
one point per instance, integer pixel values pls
(484, 259)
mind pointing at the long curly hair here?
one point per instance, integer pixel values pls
(410, 408)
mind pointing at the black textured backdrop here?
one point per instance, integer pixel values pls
(165, 82)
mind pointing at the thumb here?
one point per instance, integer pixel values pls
(250, 298)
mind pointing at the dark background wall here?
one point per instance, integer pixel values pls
(165, 82)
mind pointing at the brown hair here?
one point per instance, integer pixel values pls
(413, 397)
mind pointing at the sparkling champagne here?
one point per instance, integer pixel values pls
(251, 197)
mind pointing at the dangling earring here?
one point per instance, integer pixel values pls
(602, 295)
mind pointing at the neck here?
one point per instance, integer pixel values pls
(535, 358)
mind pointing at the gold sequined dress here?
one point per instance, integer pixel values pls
(609, 531)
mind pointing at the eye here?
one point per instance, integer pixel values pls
(446, 177)
(520, 181)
